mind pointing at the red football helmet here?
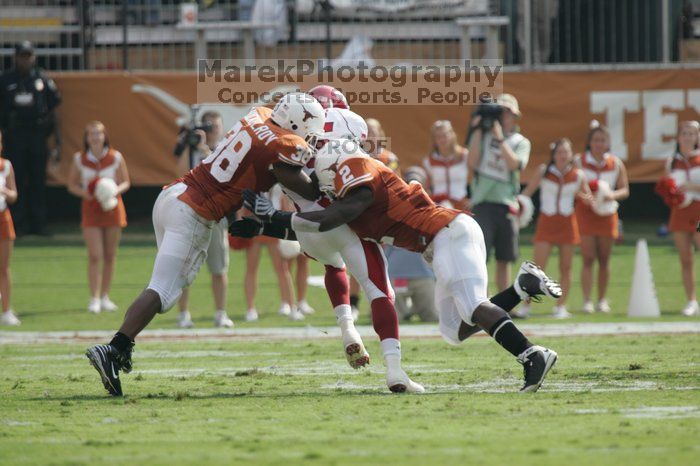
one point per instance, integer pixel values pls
(329, 97)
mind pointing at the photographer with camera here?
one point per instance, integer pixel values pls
(497, 155)
(198, 141)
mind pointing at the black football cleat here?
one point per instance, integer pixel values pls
(537, 362)
(108, 361)
(532, 283)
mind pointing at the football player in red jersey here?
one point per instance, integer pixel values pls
(265, 147)
(380, 206)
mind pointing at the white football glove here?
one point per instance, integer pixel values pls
(259, 205)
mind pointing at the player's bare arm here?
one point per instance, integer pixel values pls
(292, 177)
(338, 213)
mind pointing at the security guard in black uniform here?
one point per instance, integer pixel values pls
(28, 99)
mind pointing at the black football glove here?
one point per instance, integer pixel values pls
(246, 227)
(259, 205)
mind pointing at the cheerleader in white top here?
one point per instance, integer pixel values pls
(446, 166)
(684, 168)
(559, 182)
(597, 214)
(99, 177)
(8, 195)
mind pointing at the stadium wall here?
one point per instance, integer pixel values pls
(142, 113)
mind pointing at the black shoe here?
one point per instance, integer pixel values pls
(532, 283)
(536, 361)
(108, 361)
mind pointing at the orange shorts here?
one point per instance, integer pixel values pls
(686, 219)
(94, 216)
(7, 227)
(557, 229)
(592, 224)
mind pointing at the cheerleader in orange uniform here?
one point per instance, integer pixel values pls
(684, 168)
(599, 232)
(101, 228)
(8, 195)
(447, 167)
(559, 181)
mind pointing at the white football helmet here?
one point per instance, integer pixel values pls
(335, 152)
(301, 114)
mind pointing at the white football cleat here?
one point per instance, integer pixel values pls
(222, 320)
(184, 320)
(588, 308)
(9, 318)
(603, 306)
(691, 309)
(398, 382)
(94, 306)
(106, 304)
(305, 308)
(285, 309)
(522, 311)
(532, 283)
(560, 312)
(295, 315)
(251, 315)
(355, 351)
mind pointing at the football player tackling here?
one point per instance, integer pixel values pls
(378, 205)
(265, 147)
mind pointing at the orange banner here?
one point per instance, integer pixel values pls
(641, 108)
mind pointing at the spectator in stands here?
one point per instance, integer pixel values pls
(684, 168)
(8, 195)
(412, 278)
(28, 100)
(284, 278)
(597, 214)
(217, 254)
(559, 182)
(496, 157)
(446, 167)
(102, 218)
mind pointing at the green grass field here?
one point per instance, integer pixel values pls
(631, 399)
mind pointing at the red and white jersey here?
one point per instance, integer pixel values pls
(91, 167)
(558, 190)
(607, 170)
(242, 160)
(400, 214)
(340, 124)
(5, 170)
(685, 170)
(448, 177)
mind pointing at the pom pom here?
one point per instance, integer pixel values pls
(594, 124)
(593, 184)
(670, 193)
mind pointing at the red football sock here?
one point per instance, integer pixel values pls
(385, 319)
(337, 286)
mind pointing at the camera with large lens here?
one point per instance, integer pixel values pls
(489, 112)
(188, 137)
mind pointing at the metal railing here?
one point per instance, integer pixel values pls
(156, 35)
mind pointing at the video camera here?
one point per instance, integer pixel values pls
(489, 111)
(188, 137)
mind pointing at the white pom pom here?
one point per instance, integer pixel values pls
(594, 124)
(527, 210)
(106, 193)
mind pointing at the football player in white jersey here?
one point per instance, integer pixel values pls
(341, 247)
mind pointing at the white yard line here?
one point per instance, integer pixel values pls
(310, 332)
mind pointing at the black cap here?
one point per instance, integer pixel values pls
(24, 48)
